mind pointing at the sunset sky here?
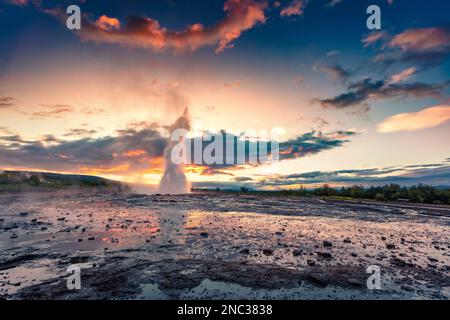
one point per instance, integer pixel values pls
(352, 105)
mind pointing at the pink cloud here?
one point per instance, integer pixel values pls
(403, 75)
(294, 8)
(413, 121)
(21, 3)
(426, 39)
(373, 38)
(147, 33)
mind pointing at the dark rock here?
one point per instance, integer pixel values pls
(296, 253)
(324, 255)
(268, 252)
(317, 280)
(245, 251)
(91, 238)
(311, 262)
(390, 246)
(327, 243)
(23, 214)
(204, 234)
(347, 240)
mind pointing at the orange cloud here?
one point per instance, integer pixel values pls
(422, 39)
(102, 170)
(135, 153)
(106, 23)
(144, 32)
(413, 121)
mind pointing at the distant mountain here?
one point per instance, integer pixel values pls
(20, 180)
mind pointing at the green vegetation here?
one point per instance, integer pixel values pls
(20, 181)
(391, 192)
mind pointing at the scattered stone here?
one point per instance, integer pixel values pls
(432, 259)
(245, 251)
(279, 233)
(296, 253)
(311, 262)
(354, 254)
(61, 219)
(347, 240)
(383, 238)
(327, 243)
(91, 238)
(324, 255)
(390, 246)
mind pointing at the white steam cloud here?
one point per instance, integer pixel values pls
(174, 180)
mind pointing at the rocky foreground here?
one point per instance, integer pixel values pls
(219, 246)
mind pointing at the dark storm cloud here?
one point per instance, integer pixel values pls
(313, 142)
(361, 92)
(439, 175)
(50, 153)
(134, 149)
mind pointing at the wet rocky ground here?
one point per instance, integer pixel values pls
(218, 245)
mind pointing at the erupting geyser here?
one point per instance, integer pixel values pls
(174, 180)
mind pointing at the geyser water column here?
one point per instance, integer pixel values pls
(174, 180)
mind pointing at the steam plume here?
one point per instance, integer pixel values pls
(174, 180)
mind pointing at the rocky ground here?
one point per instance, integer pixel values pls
(218, 245)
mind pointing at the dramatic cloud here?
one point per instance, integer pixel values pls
(403, 75)
(6, 102)
(106, 154)
(373, 38)
(135, 150)
(360, 92)
(336, 72)
(423, 119)
(296, 8)
(313, 142)
(53, 111)
(144, 32)
(436, 174)
(417, 40)
(425, 47)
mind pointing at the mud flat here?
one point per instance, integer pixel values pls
(219, 246)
